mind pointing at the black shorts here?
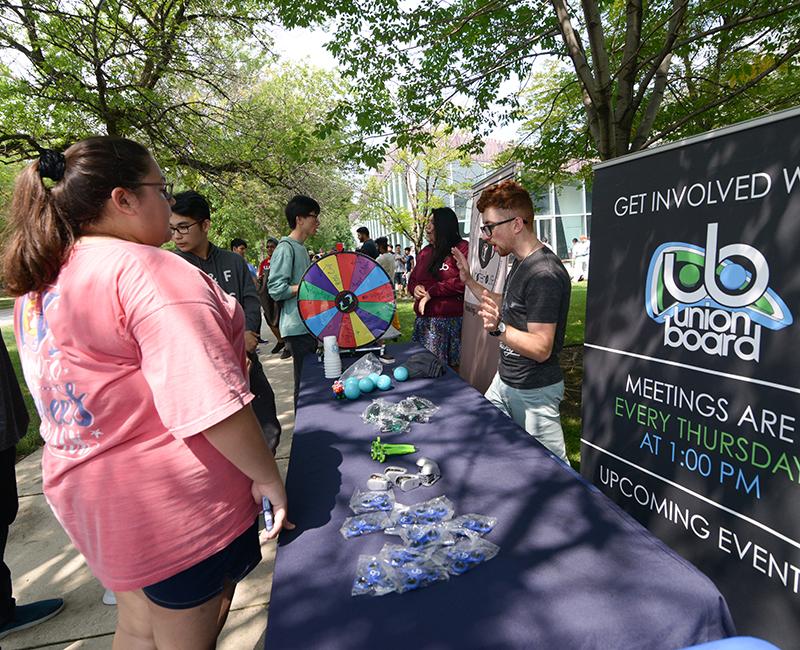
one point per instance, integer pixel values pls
(398, 278)
(201, 582)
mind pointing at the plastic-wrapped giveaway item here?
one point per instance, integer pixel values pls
(364, 524)
(373, 577)
(377, 575)
(367, 364)
(425, 534)
(396, 555)
(465, 554)
(480, 524)
(418, 574)
(432, 511)
(416, 409)
(384, 416)
(370, 500)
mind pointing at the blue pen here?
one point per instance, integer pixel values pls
(267, 510)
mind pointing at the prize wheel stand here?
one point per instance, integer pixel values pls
(349, 296)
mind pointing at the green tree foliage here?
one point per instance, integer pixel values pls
(630, 74)
(425, 177)
(191, 79)
(273, 131)
(150, 70)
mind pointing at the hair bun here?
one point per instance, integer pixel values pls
(52, 164)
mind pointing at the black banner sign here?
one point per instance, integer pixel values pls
(691, 393)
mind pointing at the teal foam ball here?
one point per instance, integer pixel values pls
(352, 391)
(352, 381)
(373, 377)
(366, 385)
(384, 383)
(401, 373)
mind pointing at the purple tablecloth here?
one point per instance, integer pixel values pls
(573, 570)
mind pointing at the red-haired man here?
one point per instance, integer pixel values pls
(529, 317)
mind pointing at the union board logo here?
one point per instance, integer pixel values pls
(713, 299)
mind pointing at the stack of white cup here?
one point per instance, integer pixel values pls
(331, 358)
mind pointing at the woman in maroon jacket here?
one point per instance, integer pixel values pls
(438, 292)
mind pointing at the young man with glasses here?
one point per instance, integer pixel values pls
(189, 223)
(287, 265)
(529, 317)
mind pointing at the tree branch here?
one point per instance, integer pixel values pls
(792, 51)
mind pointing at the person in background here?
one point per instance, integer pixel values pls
(410, 263)
(154, 463)
(438, 290)
(289, 261)
(580, 252)
(399, 270)
(264, 264)
(270, 308)
(574, 248)
(385, 257)
(190, 223)
(529, 318)
(239, 246)
(13, 425)
(368, 246)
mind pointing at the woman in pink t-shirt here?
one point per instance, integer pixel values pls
(154, 462)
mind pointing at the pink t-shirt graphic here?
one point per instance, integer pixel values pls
(133, 353)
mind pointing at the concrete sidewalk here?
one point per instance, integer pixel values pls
(44, 564)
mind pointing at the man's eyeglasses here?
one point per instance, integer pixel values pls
(166, 188)
(489, 227)
(183, 228)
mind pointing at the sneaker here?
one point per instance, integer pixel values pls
(278, 347)
(26, 616)
(286, 354)
(109, 598)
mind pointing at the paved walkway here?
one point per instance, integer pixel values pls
(44, 564)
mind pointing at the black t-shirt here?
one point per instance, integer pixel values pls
(369, 248)
(537, 290)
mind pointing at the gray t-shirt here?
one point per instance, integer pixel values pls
(537, 290)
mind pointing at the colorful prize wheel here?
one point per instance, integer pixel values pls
(347, 295)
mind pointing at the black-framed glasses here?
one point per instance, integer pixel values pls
(183, 228)
(489, 227)
(166, 188)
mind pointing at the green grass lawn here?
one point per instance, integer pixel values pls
(32, 440)
(6, 302)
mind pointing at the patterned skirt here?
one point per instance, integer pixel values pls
(440, 336)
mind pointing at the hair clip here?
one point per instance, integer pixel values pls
(52, 164)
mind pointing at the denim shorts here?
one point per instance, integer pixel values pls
(205, 580)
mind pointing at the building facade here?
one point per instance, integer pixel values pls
(563, 212)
